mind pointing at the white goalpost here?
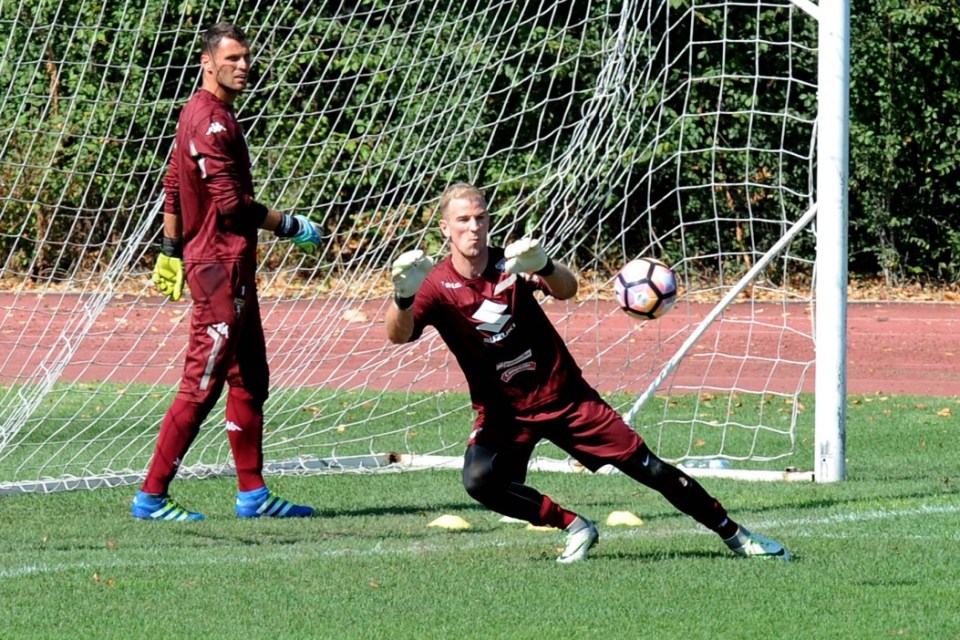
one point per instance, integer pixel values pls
(831, 291)
(709, 134)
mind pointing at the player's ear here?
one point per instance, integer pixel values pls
(206, 63)
(444, 229)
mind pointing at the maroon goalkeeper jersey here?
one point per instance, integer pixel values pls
(209, 184)
(510, 353)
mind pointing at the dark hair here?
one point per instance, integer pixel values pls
(219, 31)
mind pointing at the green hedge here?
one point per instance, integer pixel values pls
(905, 132)
(905, 121)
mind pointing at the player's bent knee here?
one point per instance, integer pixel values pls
(479, 478)
(475, 486)
(476, 480)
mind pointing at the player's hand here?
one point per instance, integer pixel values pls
(409, 271)
(308, 238)
(525, 256)
(168, 276)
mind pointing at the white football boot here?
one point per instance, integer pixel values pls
(581, 536)
(748, 544)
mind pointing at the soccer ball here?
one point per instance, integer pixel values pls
(646, 288)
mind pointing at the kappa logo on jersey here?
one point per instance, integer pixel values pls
(215, 128)
(233, 426)
(222, 328)
(452, 285)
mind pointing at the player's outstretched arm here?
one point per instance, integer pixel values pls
(562, 282)
(399, 324)
(408, 272)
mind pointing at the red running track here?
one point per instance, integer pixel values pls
(893, 347)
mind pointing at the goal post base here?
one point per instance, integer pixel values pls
(413, 462)
(753, 475)
(374, 462)
(305, 465)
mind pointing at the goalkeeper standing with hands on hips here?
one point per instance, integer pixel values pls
(524, 384)
(210, 225)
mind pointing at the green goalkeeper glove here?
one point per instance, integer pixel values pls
(300, 230)
(168, 270)
(409, 271)
(527, 256)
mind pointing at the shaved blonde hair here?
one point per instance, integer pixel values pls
(460, 191)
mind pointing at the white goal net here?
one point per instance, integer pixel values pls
(679, 129)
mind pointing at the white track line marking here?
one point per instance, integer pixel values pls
(421, 547)
(866, 516)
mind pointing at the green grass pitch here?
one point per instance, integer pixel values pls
(876, 556)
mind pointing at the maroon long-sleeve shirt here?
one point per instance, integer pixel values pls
(210, 186)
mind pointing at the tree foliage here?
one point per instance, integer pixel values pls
(905, 132)
(100, 94)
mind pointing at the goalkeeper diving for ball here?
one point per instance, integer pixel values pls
(210, 225)
(524, 384)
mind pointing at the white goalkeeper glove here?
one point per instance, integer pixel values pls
(527, 256)
(408, 272)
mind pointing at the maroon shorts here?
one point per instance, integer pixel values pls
(226, 334)
(581, 423)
